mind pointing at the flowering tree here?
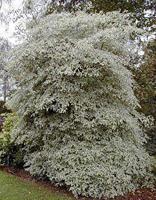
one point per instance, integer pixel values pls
(78, 118)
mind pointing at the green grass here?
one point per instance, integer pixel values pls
(14, 188)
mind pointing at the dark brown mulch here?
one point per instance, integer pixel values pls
(142, 194)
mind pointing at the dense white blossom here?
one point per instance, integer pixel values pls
(77, 108)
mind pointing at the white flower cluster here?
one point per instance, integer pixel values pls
(78, 118)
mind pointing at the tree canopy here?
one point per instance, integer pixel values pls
(78, 119)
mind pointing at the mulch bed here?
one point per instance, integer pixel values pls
(142, 194)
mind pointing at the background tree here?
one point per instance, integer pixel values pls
(145, 76)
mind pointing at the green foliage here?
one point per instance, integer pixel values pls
(10, 154)
(106, 5)
(10, 121)
(78, 119)
(146, 93)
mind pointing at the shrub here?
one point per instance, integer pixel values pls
(77, 108)
(10, 153)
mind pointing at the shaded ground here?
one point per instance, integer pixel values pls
(18, 183)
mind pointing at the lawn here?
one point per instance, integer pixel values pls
(14, 188)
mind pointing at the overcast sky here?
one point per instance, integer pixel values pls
(7, 31)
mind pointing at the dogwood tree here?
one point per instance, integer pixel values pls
(78, 119)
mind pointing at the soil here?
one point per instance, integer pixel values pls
(142, 194)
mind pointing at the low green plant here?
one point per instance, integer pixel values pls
(10, 154)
